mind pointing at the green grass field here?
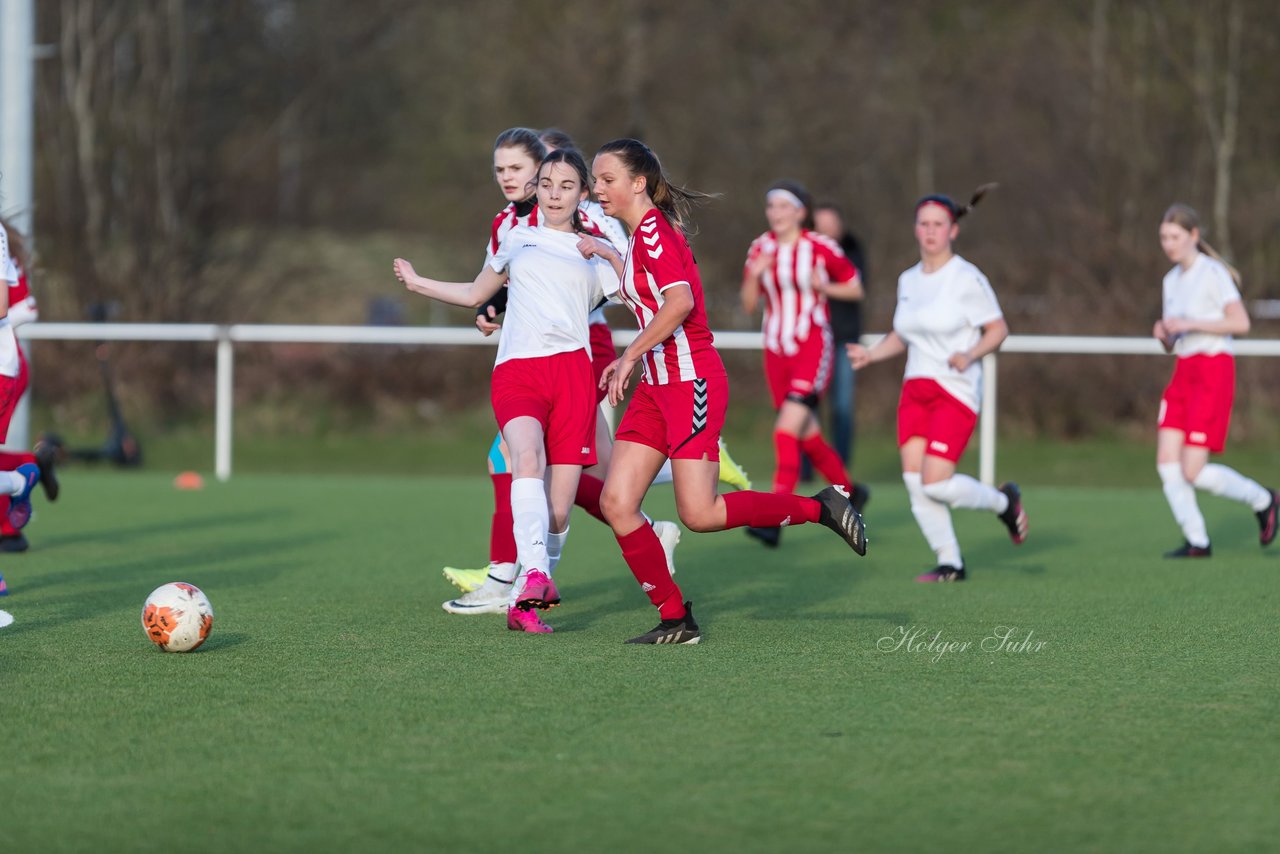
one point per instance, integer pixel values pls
(337, 708)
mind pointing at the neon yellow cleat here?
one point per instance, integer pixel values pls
(730, 472)
(466, 580)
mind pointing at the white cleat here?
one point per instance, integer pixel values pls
(492, 597)
(669, 534)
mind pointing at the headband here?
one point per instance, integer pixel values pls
(785, 195)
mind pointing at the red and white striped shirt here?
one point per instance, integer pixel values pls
(507, 219)
(794, 307)
(658, 257)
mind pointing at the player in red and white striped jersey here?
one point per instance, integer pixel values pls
(797, 269)
(1202, 310)
(946, 320)
(678, 409)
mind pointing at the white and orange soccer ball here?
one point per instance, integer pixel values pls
(177, 617)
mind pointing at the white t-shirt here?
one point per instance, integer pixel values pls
(551, 290)
(614, 232)
(8, 267)
(940, 314)
(1200, 293)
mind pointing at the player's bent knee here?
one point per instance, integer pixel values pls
(940, 491)
(702, 520)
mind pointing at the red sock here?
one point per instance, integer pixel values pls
(9, 462)
(826, 460)
(588, 497)
(642, 550)
(786, 449)
(502, 539)
(768, 509)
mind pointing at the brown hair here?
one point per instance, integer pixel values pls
(522, 138)
(957, 212)
(674, 201)
(572, 158)
(1186, 217)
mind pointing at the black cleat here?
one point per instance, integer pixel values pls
(769, 536)
(1188, 550)
(683, 630)
(1014, 518)
(45, 455)
(945, 572)
(839, 515)
(859, 497)
(14, 543)
(1267, 520)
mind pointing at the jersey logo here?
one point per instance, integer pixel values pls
(655, 253)
(649, 226)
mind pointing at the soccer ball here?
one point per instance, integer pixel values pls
(177, 617)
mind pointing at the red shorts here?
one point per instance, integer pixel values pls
(804, 374)
(1198, 400)
(556, 390)
(682, 420)
(11, 390)
(928, 410)
(602, 354)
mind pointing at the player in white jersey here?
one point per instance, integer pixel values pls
(946, 320)
(543, 391)
(1202, 310)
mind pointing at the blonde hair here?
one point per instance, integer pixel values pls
(1186, 217)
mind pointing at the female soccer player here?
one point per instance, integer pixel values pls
(678, 409)
(1202, 310)
(542, 392)
(18, 482)
(798, 269)
(22, 309)
(946, 320)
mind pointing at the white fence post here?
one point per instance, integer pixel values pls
(987, 422)
(224, 401)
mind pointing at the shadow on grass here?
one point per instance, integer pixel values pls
(223, 640)
(167, 529)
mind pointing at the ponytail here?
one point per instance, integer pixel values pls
(675, 202)
(957, 212)
(1186, 218)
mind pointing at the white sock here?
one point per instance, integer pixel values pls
(12, 483)
(555, 547)
(532, 521)
(1182, 501)
(1229, 483)
(664, 473)
(934, 519)
(965, 493)
(504, 572)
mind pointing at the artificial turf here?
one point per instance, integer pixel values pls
(335, 707)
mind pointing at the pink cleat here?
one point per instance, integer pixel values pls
(519, 620)
(539, 592)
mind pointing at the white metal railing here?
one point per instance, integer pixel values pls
(227, 336)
